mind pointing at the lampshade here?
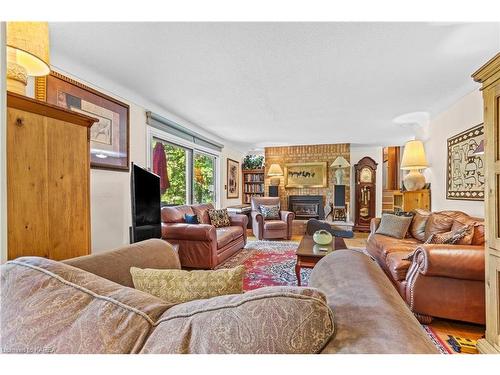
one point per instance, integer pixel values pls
(275, 170)
(480, 149)
(414, 156)
(27, 53)
(340, 162)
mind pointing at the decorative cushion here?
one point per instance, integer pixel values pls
(270, 212)
(219, 218)
(478, 237)
(271, 320)
(468, 234)
(438, 223)
(177, 286)
(451, 237)
(191, 219)
(394, 226)
(417, 227)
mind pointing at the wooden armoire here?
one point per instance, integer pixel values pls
(48, 176)
(489, 77)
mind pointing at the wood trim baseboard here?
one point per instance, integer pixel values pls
(485, 347)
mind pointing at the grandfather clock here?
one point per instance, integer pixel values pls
(365, 178)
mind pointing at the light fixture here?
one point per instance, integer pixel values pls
(275, 171)
(340, 163)
(414, 161)
(27, 53)
(479, 149)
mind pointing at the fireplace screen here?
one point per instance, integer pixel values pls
(305, 209)
(307, 206)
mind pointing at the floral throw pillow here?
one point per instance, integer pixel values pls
(271, 212)
(219, 218)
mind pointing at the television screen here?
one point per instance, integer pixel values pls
(146, 204)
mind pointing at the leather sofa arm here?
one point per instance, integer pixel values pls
(374, 223)
(287, 216)
(257, 224)
(240, 221)
(464, 262)
(257, 217)
(190, 232)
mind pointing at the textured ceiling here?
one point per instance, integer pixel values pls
(258, 84)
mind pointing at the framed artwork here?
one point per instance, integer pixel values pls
(233, 179)
(109, 137)
(465, 170)
(305, 175)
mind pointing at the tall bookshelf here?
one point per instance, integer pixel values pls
(253, 184)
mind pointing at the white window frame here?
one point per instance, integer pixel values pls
(167, 137)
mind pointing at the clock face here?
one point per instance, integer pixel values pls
(365, 175)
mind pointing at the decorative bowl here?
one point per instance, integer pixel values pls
(322, 237)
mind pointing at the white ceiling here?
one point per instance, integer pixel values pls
(257, 84)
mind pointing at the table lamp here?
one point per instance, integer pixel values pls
(27, 53)
(339, 164)
(414, 161)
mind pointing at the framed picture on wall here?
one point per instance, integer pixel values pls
(109, 137)
(233, 179)
(305, 175)
(465, 166)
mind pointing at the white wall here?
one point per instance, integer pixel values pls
(3, 148)
(110, 190)
(464, 114)
(357, 153)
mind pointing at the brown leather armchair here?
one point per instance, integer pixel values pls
(436, 280)
(202, 245)
(270, 229)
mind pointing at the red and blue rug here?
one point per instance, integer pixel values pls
(268, 263)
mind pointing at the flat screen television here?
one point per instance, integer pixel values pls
(146, 204)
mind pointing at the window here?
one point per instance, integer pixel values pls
(192, 173)
(204, 178)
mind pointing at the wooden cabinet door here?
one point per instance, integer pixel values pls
(68, 189)
(416, 199)
(27, 184)
(491, 96)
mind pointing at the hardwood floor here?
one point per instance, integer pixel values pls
(442, 327)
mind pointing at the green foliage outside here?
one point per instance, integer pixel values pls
(203, 179)
(176, 168)
(203, 176)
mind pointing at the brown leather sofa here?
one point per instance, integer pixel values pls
(445, 281)
(88, 305)
(270, 229)
(202, 246)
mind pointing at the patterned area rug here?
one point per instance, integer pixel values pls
(268, 263)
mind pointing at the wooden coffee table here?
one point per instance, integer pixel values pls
(309, 253)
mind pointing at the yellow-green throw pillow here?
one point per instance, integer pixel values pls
(177, 286)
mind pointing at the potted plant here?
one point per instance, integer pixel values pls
(253, 162)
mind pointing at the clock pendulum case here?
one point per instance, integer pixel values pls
(365, 178)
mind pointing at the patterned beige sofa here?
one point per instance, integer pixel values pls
(87, 305)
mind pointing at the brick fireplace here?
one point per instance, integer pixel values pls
(307, 206)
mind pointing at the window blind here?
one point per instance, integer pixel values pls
(180, 131)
